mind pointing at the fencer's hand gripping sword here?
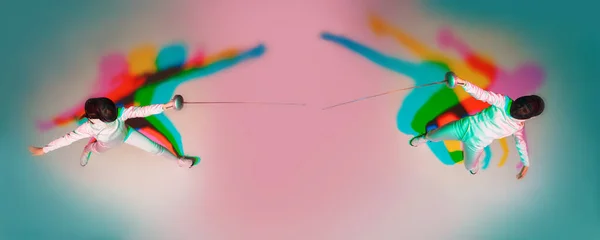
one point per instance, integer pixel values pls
(450, 81)
(179, 102)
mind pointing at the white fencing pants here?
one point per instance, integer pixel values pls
(456, 131)
(134, 138)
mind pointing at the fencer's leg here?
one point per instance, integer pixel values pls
(87, 153)
(140, 141)
(449, 131)
(472, 158)
(91, 147)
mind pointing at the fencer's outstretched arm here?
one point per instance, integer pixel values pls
(522, 147)
(145, 111)
(489, 97)
(81, 132)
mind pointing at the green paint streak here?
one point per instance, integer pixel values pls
(457, 156)
(143, 97)
(433, 108)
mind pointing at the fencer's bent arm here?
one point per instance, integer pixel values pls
(522, 147)
(489, 97)
(139, 112)
(79, 133)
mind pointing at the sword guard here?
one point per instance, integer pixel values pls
(178, 102)
(450, 79)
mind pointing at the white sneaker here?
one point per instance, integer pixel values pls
(85, 157)
(188, 161)
(476, 170)
(182, 162)
(87, 152)
(418, 140)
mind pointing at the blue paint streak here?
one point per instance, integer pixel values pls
(422, 73)
(166, 90)
(173, 55)
(488, 157)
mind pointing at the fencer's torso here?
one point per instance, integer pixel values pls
(493, 122)
(108, 134)
(490, 124)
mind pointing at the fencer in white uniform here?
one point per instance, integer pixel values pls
(505, 117)
(107, 129)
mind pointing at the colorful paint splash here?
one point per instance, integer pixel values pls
(425, 109)
(150, 76)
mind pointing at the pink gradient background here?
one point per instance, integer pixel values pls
(277, 172)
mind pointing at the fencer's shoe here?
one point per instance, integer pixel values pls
(418, 140)
(188, 161)
(196, 161)
(85, 157)
(87, 152)
(476, 170)
(183, 162)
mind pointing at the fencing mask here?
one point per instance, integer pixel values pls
(101, 108)
(527, 107)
